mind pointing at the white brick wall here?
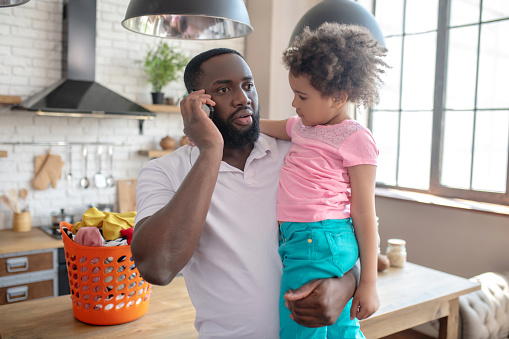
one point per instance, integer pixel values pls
(30, 60)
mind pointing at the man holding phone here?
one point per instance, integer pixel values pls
(210, 212)
(209, 110)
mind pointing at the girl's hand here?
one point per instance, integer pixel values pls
(365, 301)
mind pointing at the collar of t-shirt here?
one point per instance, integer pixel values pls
(261, 149)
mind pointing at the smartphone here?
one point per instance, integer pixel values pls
(208, 109)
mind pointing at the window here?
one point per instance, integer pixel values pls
(442, 124)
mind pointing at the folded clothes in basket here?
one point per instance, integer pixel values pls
(92, 237)
(99, 228)
(110, 222)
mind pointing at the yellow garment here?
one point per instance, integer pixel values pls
(110, 222)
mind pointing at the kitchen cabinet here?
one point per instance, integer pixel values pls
(28, 266)
(28, 275)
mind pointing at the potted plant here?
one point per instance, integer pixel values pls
(163, 65)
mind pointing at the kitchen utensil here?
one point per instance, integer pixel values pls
(13, 194)
(84, 182)
(69, 156)
(99, 178)
(57, 218)
(23, 195)
(126, 195)
(7, 202)
(21, 222)
(103, 207)
(109, 180)
(48, 170)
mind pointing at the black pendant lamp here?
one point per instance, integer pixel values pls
(10, 3)
(188, 19)
(341, 11)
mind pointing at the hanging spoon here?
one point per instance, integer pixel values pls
(69, 174)
(84, 182)
(99, 178)
(109, 180)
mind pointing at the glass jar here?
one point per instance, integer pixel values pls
(396, 252)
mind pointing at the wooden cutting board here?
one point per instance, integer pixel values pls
(126, 195)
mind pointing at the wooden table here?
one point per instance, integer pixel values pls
(415, 295)
(410, 296)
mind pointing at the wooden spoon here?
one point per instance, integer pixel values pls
(23, 193)
(13, 194)
(7, 202)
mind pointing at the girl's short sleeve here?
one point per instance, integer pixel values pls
(290, 123)
(359, 149)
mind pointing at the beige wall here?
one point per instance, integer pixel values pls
(457, 241)
(274, 21)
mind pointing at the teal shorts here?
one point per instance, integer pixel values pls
(315, 250)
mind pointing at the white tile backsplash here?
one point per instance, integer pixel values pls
(30, 61)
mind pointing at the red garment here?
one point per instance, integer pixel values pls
(128, 233)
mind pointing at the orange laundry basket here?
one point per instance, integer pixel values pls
(106, 287)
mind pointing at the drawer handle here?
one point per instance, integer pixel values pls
(19, 264)
(17, 293)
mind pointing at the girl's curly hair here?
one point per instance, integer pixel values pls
(339, 57)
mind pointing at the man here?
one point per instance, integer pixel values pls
(210, 212)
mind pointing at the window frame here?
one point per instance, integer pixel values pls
(439, 109)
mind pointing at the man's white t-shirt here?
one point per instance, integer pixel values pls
(234, 275)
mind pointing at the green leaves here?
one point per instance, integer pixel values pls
(163, 65)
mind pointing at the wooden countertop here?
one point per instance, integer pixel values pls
(170, 314)
(34, 240)
(410, 296)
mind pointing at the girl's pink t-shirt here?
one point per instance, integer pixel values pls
(314, 183)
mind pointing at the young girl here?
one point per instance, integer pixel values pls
(327, 183)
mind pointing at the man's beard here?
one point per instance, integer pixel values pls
(235, 138)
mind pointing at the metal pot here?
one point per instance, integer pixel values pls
(56, 218)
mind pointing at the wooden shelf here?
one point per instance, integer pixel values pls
(162, 108)
(10, 99)
(156, 153)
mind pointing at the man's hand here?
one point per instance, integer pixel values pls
(321, 301)
(197, 125)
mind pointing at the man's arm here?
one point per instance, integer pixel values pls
(164, 242)
(321, 301)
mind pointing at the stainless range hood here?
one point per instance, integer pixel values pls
(77, 94)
